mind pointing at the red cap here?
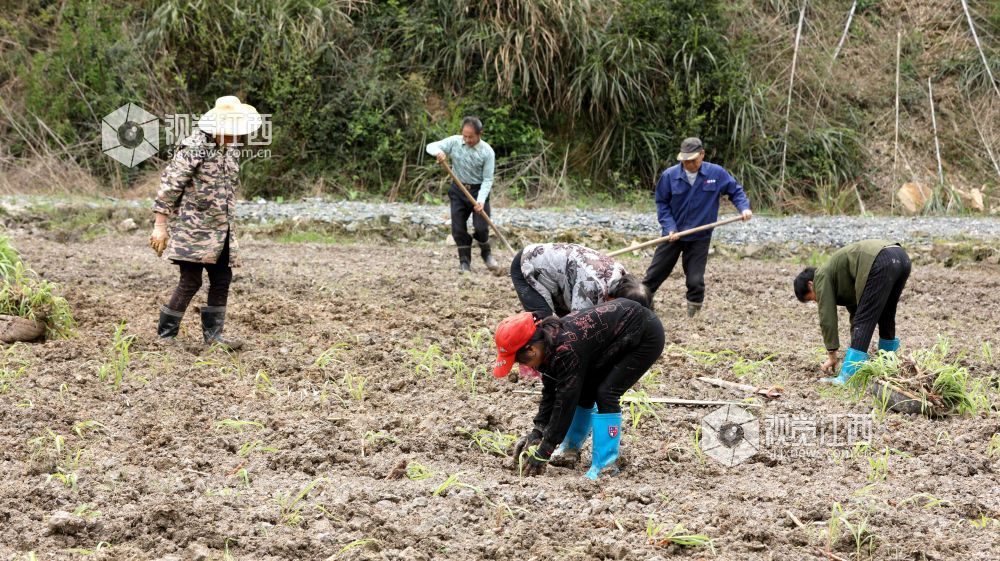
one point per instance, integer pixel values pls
(513, 333)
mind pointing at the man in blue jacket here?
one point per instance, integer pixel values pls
(687, 196)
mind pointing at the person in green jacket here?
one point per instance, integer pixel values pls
(867, 278)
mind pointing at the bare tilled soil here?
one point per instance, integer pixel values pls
(342, 434)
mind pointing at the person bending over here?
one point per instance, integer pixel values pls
(867, 278)
(588, 360)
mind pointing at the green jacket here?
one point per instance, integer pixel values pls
(840, 283)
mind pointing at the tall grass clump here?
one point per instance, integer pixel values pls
(24, 294)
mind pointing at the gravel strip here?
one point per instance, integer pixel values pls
(791, 230)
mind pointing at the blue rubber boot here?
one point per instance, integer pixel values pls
(853, 360)
(579, 430)
(888, 345)
(568, 453)
(607, 439)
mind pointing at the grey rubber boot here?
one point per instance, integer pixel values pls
(694, 308)
(464, 258)
(487, 253)
(169, 324)
(213, 318)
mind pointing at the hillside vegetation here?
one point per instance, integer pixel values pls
(578, 97)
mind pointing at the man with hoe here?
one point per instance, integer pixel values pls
(472, 160)
(687, 196)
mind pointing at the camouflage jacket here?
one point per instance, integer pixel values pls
(570, 276)
(198, 193)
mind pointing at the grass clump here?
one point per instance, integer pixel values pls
(942, 383)
(24, 294)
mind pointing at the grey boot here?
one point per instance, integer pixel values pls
(693, 308)
(487, 253)
(464, 258)
(213, 318)
(170, 323)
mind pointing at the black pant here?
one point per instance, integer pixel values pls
(220, 275)
(879, 298)
(694, 257)
(531, 300)
(607, 390)
(461, 208)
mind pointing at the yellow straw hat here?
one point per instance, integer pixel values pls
(230, 117)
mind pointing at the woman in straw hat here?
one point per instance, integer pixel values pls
(195, 211)
(587, 360)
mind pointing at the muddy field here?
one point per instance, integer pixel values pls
(289, 449)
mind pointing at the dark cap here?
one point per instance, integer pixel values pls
(690, 149)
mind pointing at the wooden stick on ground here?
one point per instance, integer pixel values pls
(772, 392)
(678, 235)
(472, 199)
(665, 400)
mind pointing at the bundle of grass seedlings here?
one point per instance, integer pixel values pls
(24, 295)
(930, 381)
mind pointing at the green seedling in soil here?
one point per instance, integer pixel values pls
(426, 361)
(330, 356)
(418, 472)
(88, 552)
(651, 379)
(699, 454)
(373, 440)
(856, 526)
(86, 512)
(993, 446)
(244, 476)
(925, 501)
(529, 452)
(61, 459)
(83, 427)
(262, 384)
(493, 442)
(66, 471)
(983, 522)
(12, 367)
(353, 545)
(663, 535)
(355, 386)
(232, 365)
(988, 354)
(290, 506)
(478, 337)
(227, 555)
(454, 481)
(878, 467)
(250, 447)
(451, 481)
(116, 367)
(464, 376)
(640, 405)
(237, 425)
